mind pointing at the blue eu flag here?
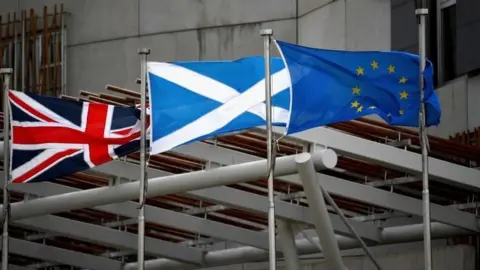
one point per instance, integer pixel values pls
(329, 86)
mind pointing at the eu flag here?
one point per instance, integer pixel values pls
(329, 86)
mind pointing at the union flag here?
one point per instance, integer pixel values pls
(52, 137)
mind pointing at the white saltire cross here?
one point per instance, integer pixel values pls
(233, 102)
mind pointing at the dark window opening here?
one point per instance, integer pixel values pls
(449, 34)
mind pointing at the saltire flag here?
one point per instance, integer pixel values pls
(191, 101)
(331, 86)
(52, 137)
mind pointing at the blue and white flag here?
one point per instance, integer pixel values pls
(191, 101)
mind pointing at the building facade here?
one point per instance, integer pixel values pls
(102, 37)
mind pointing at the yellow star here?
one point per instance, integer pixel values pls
(403, 94)
(374, 65)
(391, 69)
(372, 107)
(360, 71)
(401, 112)
(403, 80)
(355, 104)
(360, 109)
(356, 90)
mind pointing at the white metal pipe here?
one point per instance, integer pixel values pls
(178, 183)
(317, 206)
(267, 38)
(350, 227)
(286, 238)
(391, 235)
(6, 73)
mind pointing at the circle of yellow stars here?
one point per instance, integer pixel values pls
(356, 90)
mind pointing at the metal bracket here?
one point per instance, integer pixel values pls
(421, 11)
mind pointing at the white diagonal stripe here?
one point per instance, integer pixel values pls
(224, 114)
(42, 109)
(26, 167)
(43, 146)
(215, 90)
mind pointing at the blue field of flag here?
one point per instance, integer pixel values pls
(191, 101)
(331, 86)
(195, 100)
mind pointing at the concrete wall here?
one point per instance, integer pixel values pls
(346, 24)
(460, 106)
(103, 37)
(446, 258)
(460, 257)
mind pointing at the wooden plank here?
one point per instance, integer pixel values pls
(47, 55)
(1, 42)
(55, 52)
(27, 51)
(13, 49)
(7, 43)
(43, 53)
(34, 52)
(61, 44)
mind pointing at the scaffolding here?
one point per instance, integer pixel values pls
(375, 180)
(34, 45)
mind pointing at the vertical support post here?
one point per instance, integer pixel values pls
(15, 51)
(316, 203)
(63, 53)
(267, 39)
(6, 72)
(289, 247)
(422, 12)
(23, 62)
(142, 183)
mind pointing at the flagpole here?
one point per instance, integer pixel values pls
(267, 39)
(422, 12)
(6, 72)
(142, 185)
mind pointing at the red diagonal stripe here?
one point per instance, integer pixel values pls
(28, 108)
(41, 166)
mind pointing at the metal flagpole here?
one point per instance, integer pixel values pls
(267, 39)
(142, 185)
(6, 72)
(421, 13)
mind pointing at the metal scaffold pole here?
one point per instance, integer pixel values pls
(267, 39)
(6, 72)
(422, 12)
(142, 183)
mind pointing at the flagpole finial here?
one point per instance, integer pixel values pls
(266, 32)
(6, 70)
(143, 51)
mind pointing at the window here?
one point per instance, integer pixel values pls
(448, 45)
